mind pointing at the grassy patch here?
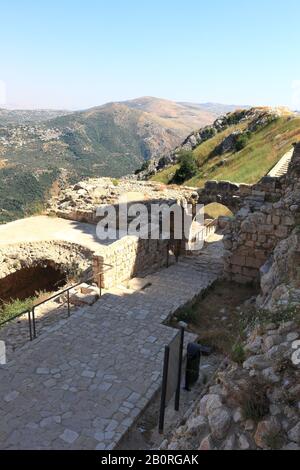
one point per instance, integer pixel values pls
(166, 176)
(252, 160)
(13, 308)
(215, 210)
(238, 354)
(215, 318)
(257, 318)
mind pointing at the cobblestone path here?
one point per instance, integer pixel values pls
(83, 383)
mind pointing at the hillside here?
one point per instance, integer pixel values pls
(23, 116)
(111, 140)
(242, 147)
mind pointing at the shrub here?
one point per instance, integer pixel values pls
(144, 167)
(242, 141)
(254, 401)
(238, 354)
(187, 316)
(11, 309)
(188, 168)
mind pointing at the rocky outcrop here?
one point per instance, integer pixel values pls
(81, 201)
(280, 276)
(248, 407)
(256, 117)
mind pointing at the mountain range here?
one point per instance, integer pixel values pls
(110, 140)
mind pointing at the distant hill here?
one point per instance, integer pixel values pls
(241, 147)
(110, 140)
(215, 108)
(23, 116)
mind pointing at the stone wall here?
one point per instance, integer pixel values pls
(130, 257)
(235, 196)
(269, 214)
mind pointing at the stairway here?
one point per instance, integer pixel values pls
(282, 166)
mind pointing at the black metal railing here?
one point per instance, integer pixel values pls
(31, 312)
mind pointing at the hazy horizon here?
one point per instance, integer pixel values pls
(12, 107)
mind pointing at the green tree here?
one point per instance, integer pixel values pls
(242, 141)
(188, 167)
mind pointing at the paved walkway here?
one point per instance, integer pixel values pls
(45, 228)
(83, 384)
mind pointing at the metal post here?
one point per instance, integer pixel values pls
(33, 322)
(30, 325)
(168, 254)
(177, 397)
(164, 391)
(68, 297)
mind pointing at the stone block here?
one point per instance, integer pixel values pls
(266, 229)
(276, 220)
(238, 259)
(250, 272)
(253, 263)
(281, 232)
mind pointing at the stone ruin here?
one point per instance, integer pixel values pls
(262, 241)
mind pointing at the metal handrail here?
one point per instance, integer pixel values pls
(31, 312)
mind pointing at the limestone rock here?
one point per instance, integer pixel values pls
(257, 362)
(244, 442)
(265, 429)
(209, 403)
(294, 434)
(206, 443)
(197, 425)
(220, 421)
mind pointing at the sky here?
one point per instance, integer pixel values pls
(75, 54)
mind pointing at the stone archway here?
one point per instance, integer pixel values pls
(28, 281)
(214, 210)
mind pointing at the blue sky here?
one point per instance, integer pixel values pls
(82, 53)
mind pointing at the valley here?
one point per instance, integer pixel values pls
(41, 148)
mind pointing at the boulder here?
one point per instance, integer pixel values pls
(294, 434)
(220, 421)
(206, 443)
(196, 425)
(264, 430)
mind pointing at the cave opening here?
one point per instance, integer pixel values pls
(28, 282)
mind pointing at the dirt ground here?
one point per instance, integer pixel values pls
(216, 319)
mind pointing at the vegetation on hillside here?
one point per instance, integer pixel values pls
(255, 153)
(23, 193)
(111, 140)
(187, 168)
(11, 309)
